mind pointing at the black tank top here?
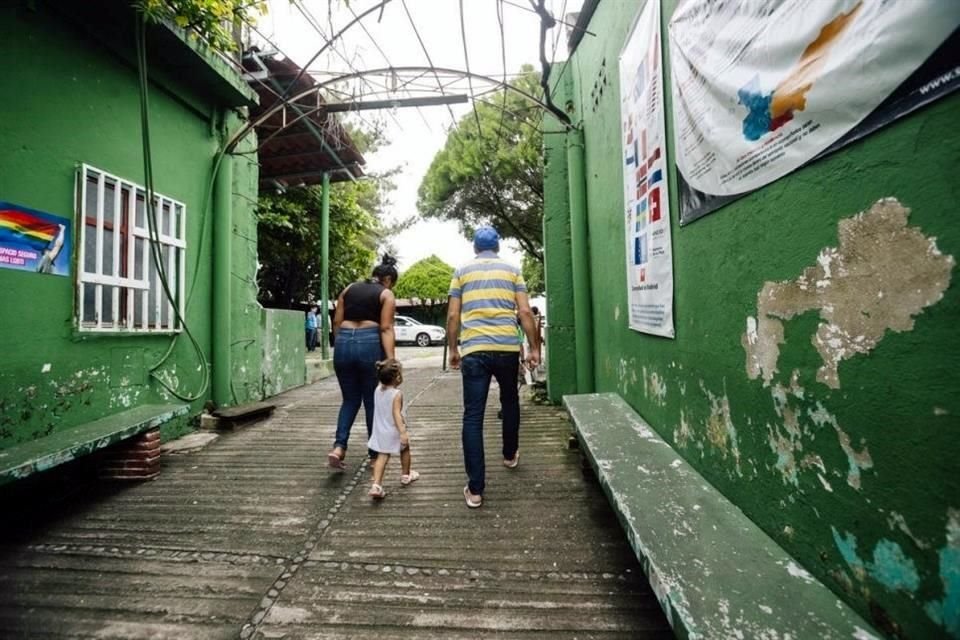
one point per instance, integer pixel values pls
(362, 302)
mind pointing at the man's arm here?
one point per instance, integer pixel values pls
(529, 327)
(453, 330)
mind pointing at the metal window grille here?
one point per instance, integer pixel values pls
(119, 287)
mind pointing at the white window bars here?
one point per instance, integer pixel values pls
(119, 288)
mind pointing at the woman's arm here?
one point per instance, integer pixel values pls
(338, 313)
(388, 307)
(398, 418)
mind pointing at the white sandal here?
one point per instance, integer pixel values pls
(476, 502)
(376, 492)
(413, 476)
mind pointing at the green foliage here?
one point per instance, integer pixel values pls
(426, 281)
(494, 175)
(289, 239)
(532, 271)
(290, 242)
(212, 20)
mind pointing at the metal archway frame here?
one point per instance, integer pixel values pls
(382, 70)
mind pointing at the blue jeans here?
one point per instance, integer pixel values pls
(355, 356)
(477, 369)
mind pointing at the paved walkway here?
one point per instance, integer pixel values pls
(252, 536)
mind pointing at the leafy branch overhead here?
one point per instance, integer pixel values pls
(212, 20)
(493, 174)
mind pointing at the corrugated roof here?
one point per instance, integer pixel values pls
(298, 144)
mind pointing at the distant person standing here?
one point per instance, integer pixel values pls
(362, 336)
(487, 296)
(310, 328)
(538, 322)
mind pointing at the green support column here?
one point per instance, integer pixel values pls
(222, 309)
(582, 299)
(325, 268)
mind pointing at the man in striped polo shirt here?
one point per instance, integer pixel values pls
(487, 296)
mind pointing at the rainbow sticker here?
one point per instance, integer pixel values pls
(34, 241)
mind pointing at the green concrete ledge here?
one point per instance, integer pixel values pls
(716, 573)
(63, 446)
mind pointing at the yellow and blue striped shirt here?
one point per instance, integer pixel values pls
(487, 288)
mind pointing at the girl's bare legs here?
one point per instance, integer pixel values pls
(405, 461)
(379, 466)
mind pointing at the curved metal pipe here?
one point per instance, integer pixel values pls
(329, 42)
(358, 74)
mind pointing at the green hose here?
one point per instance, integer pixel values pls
(155, 250)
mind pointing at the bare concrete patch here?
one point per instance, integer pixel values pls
(189, 443)
(882, 274)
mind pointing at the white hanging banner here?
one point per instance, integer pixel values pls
(645, 196)
(762, 88)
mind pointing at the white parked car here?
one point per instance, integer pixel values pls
(406, 329)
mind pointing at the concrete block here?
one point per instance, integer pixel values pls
(208, 421)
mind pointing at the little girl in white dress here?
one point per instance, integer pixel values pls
(389, 434)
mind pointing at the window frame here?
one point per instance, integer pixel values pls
(127, 290)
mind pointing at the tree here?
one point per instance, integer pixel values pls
(288, 232)
(493, 173)
(290, 242)
(532, 271)
(427, 281)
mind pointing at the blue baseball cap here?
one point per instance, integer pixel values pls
(486, 239)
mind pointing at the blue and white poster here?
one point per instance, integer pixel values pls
(645, 197)
(763, 88)
(31, 240)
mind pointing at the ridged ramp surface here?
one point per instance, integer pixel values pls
(253, 536)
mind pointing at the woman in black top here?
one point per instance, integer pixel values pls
(363, 335)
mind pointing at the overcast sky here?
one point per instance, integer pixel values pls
(415, 137)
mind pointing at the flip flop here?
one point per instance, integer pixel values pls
(336, 462)
(471, 503)
(513, 462)
(408, 479)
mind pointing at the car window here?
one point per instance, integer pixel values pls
(400, 322)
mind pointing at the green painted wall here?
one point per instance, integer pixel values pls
(247, 345)
(284, 351)
(860, 483)
(77, 102)
(558, 265)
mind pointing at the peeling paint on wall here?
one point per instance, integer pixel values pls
(721, 431)
(856, 460)
(896, 521)
(762, 342)
(655, 387)
(890, 566)
(896, 571)
(797, 429)
(683, 434)
(946, 611)
(882, 274)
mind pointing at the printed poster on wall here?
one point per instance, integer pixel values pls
(646, 201)
(760, 89)
(34, 241)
